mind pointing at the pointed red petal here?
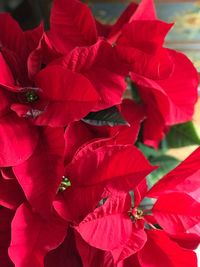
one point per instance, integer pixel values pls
(6, 77)
(71, 96)
(126, 17)
(132, 169)
(134, 244)
(176, 213)
(18, 139)
(181, 105)
(72, 24)
(32, 237)
(145, 11)
(166, 251)
(85, 199)
(109, 226)
(91, 256)
(41, 174)
(107, 79)
(184, 178)
(15, 40)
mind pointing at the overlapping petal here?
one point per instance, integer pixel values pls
(177, 213)
(167, 252)
(72, 24)
(169, 108)
(109, 219)
(103, 161)
(107, 79)
(18, 139)
(41, 174)
(32, 237)
(184, 178)
(71, 96)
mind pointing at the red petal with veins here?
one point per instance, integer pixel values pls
(166, 251)
(72, 24)
(184, 178)
(41, 174)
(32, 237)
(71, 96)
(18, 139)
(177, 213)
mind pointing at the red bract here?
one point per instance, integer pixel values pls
(100, 65)
(41, 174)
(17, 45)
(79, 191)
(33, 95)
(164, 106)
(92, 171)
(71, 96)
(144, 11)
(85, 53)
(92, 256)
(109, 219)
(78, 133)
(32, 236)
(140, 45)
(184, 178)
(72, 24)
(160, 249)
(18, 140)
(11, 194)
(18, 137)
(156, 71)
(177, 213)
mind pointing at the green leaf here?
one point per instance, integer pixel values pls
(148, 151)
(182, 135)
(135, 93)
(110, 116)
(166, 164)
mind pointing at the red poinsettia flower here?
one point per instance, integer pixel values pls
(92, 173)
(132, 237)
(30, 221)
(101, 156)
(54, 95)
(172, 221)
